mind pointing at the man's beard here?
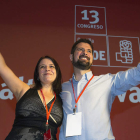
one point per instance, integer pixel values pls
(82, 64)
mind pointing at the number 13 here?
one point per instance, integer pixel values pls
(93, 16)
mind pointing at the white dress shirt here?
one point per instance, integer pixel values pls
(96, 102)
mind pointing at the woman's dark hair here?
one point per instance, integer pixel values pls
(57, 87)
(79, 41)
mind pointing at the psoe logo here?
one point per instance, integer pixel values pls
(9, 94)
(126, 54)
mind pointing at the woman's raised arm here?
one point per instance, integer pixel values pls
(17, 87)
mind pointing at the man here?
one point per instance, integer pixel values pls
(87, 99)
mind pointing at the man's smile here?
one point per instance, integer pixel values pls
(84, 57)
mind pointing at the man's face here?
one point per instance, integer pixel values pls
(83, 56)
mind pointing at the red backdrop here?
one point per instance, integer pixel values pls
(29, 30)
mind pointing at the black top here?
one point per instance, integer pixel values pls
(30, 120)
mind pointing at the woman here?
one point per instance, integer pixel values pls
(33, 121)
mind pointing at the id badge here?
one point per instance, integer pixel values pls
(74, 124)
(47, 135)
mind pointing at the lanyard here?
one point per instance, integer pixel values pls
(76, 100)
(47, 113)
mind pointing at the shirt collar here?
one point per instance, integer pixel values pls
(86, 76)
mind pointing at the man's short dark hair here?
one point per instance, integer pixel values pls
(79, 41)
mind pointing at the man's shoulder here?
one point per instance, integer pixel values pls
(67, 83)
(108, 75)
(66, 87)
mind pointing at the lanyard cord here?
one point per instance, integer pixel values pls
(76, 101)
(47, 113)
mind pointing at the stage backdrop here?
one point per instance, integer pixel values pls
(31, 29)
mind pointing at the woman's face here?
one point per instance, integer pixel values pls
(47, 71)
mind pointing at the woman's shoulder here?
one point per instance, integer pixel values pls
(29, 92)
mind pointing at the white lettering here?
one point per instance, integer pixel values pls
(10, 94)
(95, 55)
(99, 55)
(30, 82)
(122, 97)
(132, 95)
(102, 55)
(94, 16)
(90, 26)
(85, 15)
(4, 97)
